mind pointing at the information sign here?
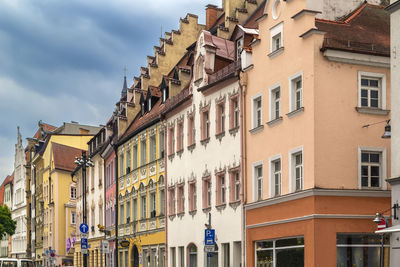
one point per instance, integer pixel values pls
(209, 237)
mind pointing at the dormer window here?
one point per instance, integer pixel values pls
(149, 105)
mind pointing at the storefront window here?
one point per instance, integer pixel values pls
(280, 253)
(361, 250)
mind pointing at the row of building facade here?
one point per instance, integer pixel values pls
(265, 125)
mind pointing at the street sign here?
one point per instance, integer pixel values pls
(209, 248)
(84, 235)
(84, 251)
(84, 228)
(382, 224)
(52, 254)
(105, 247)
(84, 243)
(209, 237)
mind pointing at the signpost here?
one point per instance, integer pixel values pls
(84, 228)
(209, 237)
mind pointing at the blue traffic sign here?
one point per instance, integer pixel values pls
(209, 236)
(84, 243)
(84, 228)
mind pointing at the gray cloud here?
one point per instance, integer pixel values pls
(63, 60)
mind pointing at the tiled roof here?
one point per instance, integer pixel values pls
(224, 48)
(251, 21)
(366, 30)
(64, 156)
(9, 179)
(47, 127)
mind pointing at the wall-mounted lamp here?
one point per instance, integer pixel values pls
(387, 133)
(379, 215)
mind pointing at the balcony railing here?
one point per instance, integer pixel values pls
(224, 72)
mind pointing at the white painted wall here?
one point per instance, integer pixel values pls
(211, 157)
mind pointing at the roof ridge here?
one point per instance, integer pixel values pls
(356, 13)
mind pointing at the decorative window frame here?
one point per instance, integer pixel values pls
(218, 192)
(292, 176)
(171, 201)
(232, 185)
(191, 130)
(232, 128)
(383, 89)
(180, 136)
(383, 167)
(204, 138)
(274, 31)
(206, 206)
(192, 207)
(219, 127)
(171, 140)
(271, 177)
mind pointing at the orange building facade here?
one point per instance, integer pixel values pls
(314, 92)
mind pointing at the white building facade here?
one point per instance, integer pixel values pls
(18, 210)
(204, 160)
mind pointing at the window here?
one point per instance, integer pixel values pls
(372, 166)
(220, 117)
(234, 112)
(257, 111)
(199, 68)
(221, 189)
(153, 204)
(171, 195)
(276, 35)
(296, 92)
(275, 102)
(73, 217)
(161, 145)
(361, 250)
(235, 185)
(121, 164)
(192, 196)
(372, 90)
(73, 192)
(143, 208)
(206, 192)
(135, 156)
(173, 257)
(296, 169)
(226, 255)
(162, 195)
(171, 141)
(181, 199)
(181, 252)
(192, 255)
(101, 215)
(134, 209)
(179, 136)
(128, 212)
(161, 258)
(276, 176)
(239, 48)
(280, 252)
(128, 160)
(258, 181)
(191, 130)
(153, 148)
(205, 124)
(143, 152)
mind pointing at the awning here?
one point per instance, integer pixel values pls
(388, 230)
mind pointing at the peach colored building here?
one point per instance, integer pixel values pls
(316, 176)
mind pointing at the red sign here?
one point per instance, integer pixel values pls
(382, 224)
(52, 254)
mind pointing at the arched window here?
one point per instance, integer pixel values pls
(192, 255)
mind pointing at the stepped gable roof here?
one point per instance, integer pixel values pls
(64, 156)
(251, 21)
(46, 127)
(366, 30)
(9, 179)
(224, 48)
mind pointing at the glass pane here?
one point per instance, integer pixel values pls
(364, 82)
(290, 242)
(357, 239)
(374, 181)
(298, 84)
(374, 103)
(298, 173)
(374, 94)
(364, 93)
(264, 258)
(374, 157)
(364, 181)
(264, 244)
(364, 157)
(373, 83)
(364, 170)
(375, 171)
(277, 165)
(290, 257)
(358, 256)
(364, 102)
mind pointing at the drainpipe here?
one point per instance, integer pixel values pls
(242, 94)
(116, 203)
(165, 192)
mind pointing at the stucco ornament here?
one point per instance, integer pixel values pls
(276, 9)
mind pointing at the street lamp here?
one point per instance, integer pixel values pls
(83, 162)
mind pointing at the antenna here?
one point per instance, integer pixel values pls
(125, 70)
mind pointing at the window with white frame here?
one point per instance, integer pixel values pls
(296, 92)
(234, 185)
(143, 207)
(220, 120)
(258, 181)
(296, 169)
(221, 189)
(73, 192)
(276, 176)
(257, 111)
(153, 148)
(192, 196)
(372, 164)
(143, 152)
(73, 217)
(206, 192)
(128, 160)
(276, 37)
(275, 102)
(234, 112)
(372, 90)
(135, 156)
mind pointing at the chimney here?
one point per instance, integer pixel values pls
(211, 16)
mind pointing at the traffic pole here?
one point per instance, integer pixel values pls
(84, 198)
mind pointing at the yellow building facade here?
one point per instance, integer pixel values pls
(141, 200)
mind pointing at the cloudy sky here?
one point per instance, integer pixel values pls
(63, 61)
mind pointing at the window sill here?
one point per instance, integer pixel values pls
(233, 131)
(192, 212)
(373, 111)
(171, 217)
(371, 188)
(275, 121)
(221, 206)
(180, 214)
(295, 112)
(191, 147)
(205, 141)
(235, 204)
(171, 156)
(220, 135)
(179, 152)
(276, 52)
(257, 129)
(207, 210)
